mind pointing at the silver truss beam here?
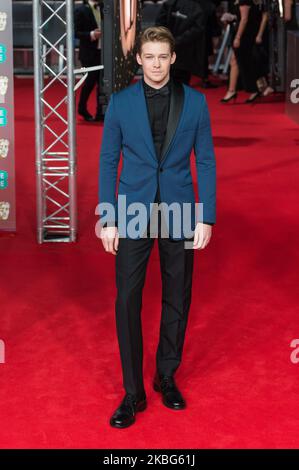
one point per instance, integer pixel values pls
(55, 121)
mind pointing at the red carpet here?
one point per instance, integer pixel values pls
(62, 377)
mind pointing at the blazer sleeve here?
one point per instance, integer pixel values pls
(81, 32)
(205, 166)
(109, 157)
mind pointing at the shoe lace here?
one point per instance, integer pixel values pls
(167, 382)
(129, 400)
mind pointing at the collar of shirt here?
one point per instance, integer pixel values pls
(151, 91)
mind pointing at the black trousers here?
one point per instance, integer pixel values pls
(176, 265)
(92, 80)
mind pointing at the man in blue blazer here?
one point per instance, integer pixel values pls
(155, 124)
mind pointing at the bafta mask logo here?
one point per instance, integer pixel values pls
(3, 20)
(3, 88)
(3, 117)
(4, 148)
(4, 210)
(2, 53)
(3, 179)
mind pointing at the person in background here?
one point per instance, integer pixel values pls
(289, 15)
(211, 31)
(249, 18)
(88, 18)
(290, 21)
(185, 19)
(231, 93)
(254, 64)
(256, 54)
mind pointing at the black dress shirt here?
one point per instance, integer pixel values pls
(158, 101)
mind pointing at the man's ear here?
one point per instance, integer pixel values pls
(138, 59)
(173, 58)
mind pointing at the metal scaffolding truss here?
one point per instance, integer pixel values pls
(55, 120)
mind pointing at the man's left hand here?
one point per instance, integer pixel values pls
(202, 236)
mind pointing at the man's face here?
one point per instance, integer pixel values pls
(156, 60)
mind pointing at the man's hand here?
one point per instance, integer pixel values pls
(110, 239)
(95, 34)
(202, 236)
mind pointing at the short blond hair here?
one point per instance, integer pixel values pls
(155, 33)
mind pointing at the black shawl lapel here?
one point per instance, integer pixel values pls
(140, 114)
(175, 112)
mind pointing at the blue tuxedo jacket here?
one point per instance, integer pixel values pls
(127, 130)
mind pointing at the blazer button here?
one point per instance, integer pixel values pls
(161, 169)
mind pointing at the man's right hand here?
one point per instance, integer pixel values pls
(110, 239)
(95, 34)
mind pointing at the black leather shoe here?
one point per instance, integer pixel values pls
(86, 116)
(171, 396)
(124, 415)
